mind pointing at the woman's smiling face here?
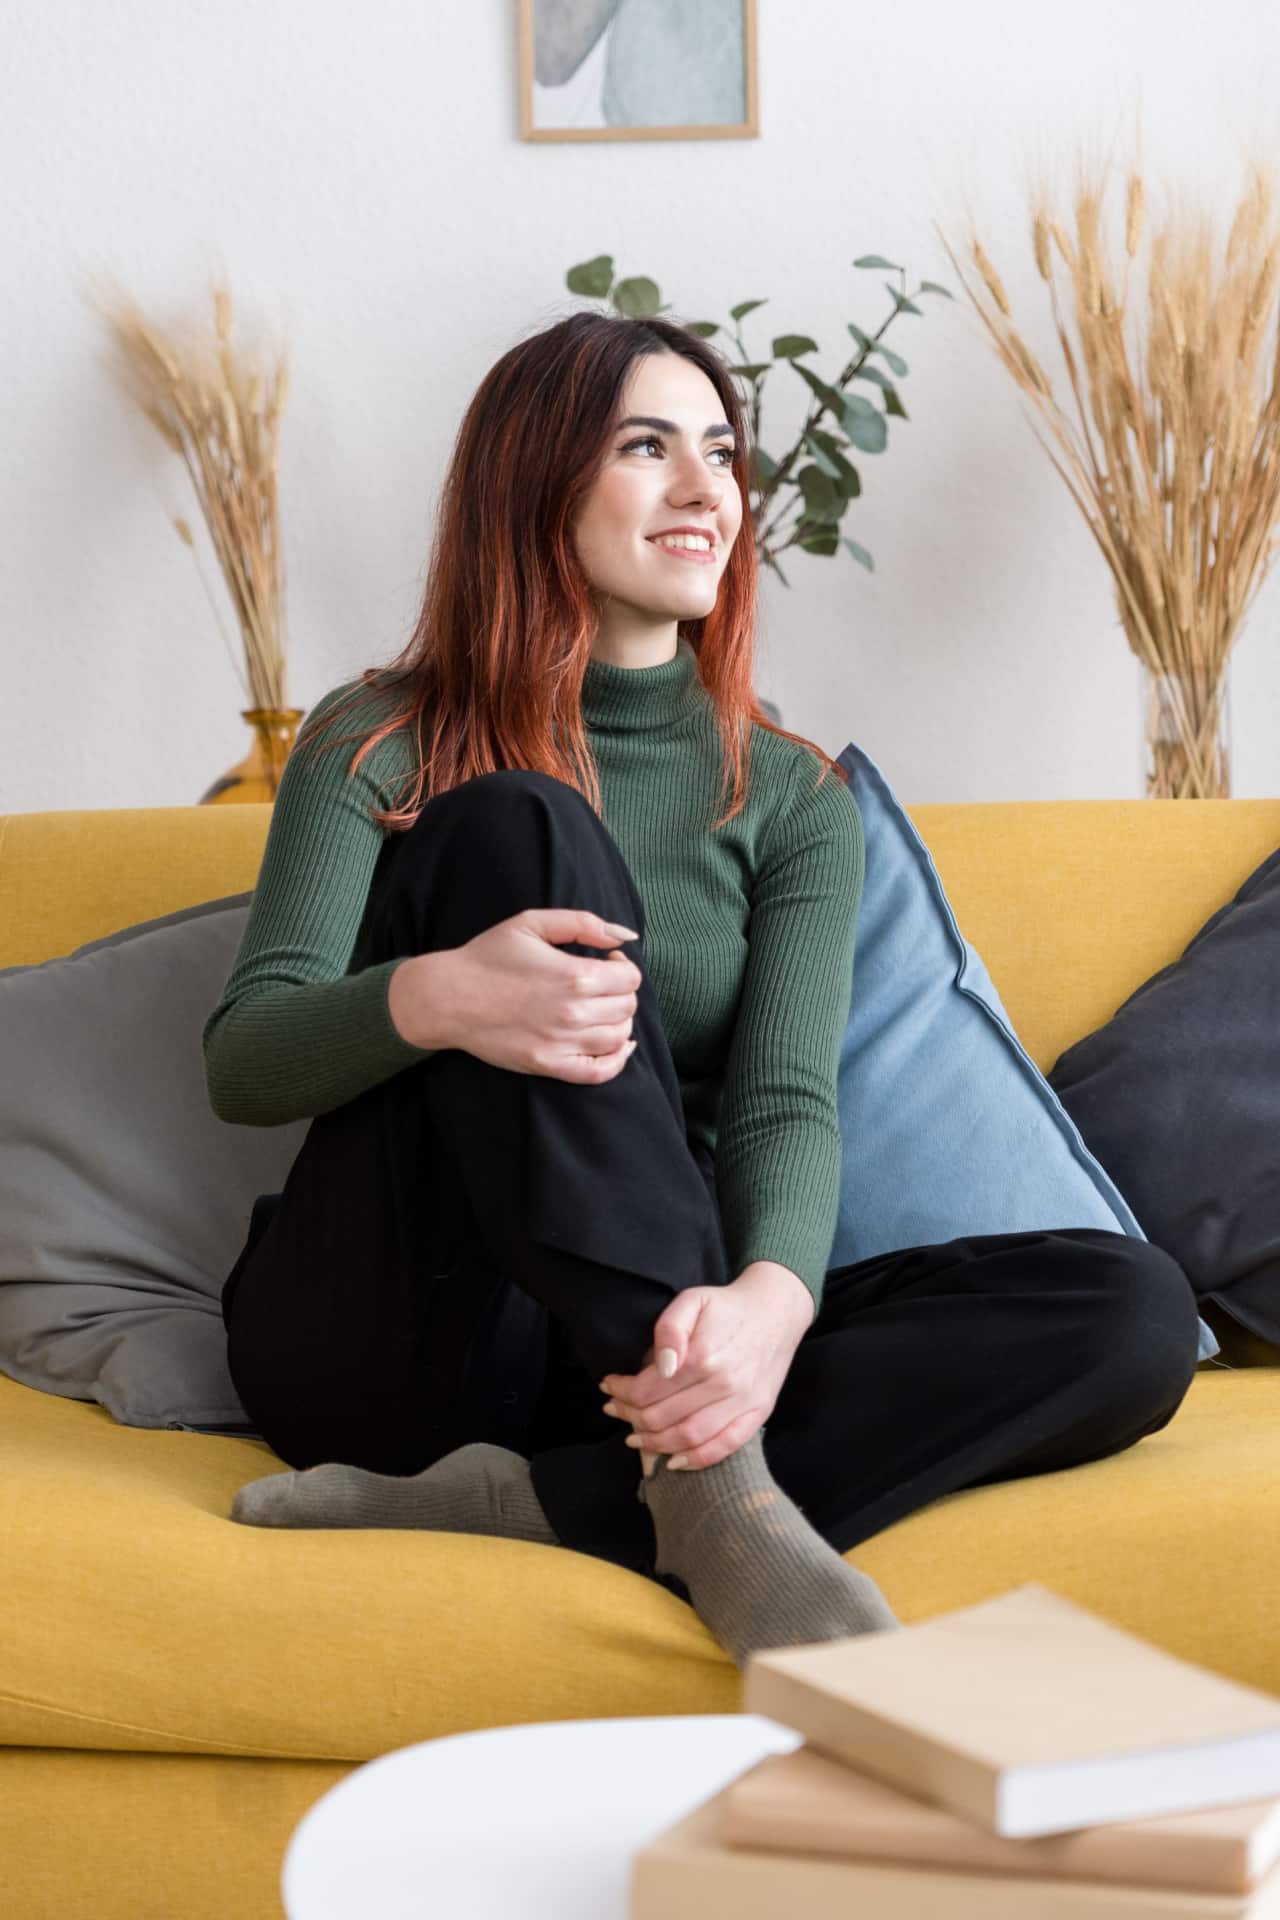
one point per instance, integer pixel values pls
(676, 473)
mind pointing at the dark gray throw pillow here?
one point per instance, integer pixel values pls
(124, 1200)
(1178, 1095)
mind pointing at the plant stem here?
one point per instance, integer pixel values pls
(816, 412)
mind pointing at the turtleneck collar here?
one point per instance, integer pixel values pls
(637, 699)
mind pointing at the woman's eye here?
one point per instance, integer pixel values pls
(651, 440)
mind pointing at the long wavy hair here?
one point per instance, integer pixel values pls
(492, 675)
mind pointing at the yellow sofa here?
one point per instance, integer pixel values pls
(176, 1690)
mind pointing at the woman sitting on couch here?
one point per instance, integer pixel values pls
(559, 966)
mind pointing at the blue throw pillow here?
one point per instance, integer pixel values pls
(949, 1127)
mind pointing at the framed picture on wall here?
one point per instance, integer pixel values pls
(637, 69)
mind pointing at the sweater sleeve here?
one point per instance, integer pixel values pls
(778, 1149)
(295, 1033)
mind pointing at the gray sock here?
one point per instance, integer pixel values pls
(478, 1488)
(758, 1574)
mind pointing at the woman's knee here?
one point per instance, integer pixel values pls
(490, 796)
(504, 812)
(1150, 1332)
(486, 850)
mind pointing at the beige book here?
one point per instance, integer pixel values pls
(689, 1872)
(803, 1802)
(1026, 1714)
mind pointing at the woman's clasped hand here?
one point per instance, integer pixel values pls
(731, 1349)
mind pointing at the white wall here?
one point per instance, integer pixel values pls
(360, 177)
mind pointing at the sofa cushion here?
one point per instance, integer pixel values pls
(1178, 1094)
(123, 1198)
(947, 1125)
(135, 1615)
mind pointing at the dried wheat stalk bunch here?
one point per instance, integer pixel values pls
(1172, 451)
(221, 415)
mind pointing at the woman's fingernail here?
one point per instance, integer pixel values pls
(678, 1460)
(633, 1439)
(667, 1362)
(609, 1407)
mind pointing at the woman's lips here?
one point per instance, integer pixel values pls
(685, 553)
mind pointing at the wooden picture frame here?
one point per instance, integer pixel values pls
(610, 58)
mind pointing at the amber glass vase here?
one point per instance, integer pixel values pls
(257, 776)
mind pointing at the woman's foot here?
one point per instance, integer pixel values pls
(479, 1488)
(757, 1573)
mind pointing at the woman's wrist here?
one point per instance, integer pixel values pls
(784, 1284)
(418, 999)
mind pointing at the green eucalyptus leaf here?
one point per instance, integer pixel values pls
(821, 498)
(840, 497)
(788, 345)
(870, 435)
(931, 286)
(703, 328)
(770, 561)
(895, 360)
(865, 425)
(848, 481)
(820, 540)
(744, 307)
(859, 553)
(827, 441)
(761, 467)
(637, 298)
(752, 369)
(877, 260)
(903, 304)
(892, 404)
(830, 396)
(821, 457)
(592, 277)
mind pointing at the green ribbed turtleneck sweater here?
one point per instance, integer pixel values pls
(748, 940)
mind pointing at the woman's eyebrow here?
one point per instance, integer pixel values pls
(669, 426)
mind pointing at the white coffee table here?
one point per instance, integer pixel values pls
(512, 1823)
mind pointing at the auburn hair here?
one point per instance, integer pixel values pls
(492, 674)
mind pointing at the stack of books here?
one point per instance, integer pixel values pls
(1023, 1759)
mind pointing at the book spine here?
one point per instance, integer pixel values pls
(688, 1885)
(1187, 1861)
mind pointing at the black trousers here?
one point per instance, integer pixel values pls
(464, 1251)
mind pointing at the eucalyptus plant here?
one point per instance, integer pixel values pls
(820, 490)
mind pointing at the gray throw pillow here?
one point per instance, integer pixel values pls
(123, 1197)
(1178, 1095)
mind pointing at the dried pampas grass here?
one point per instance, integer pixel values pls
(1173, 454)
(221, 415)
